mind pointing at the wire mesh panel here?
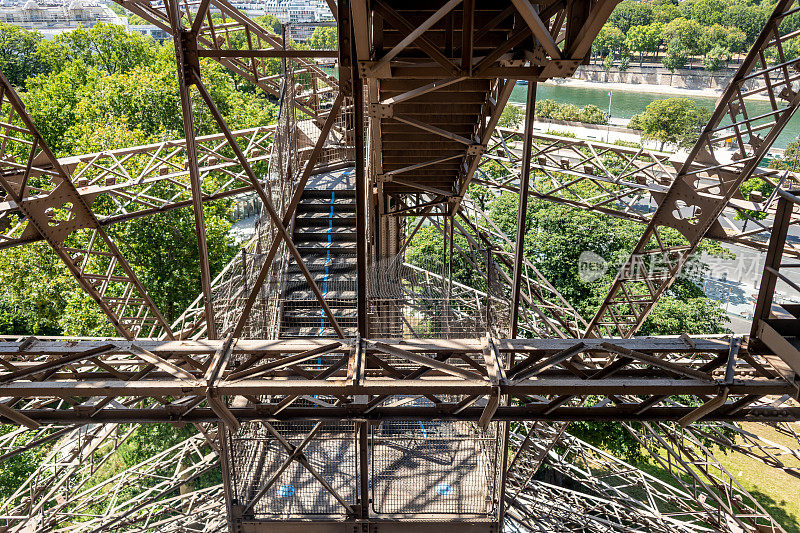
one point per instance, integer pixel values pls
(295, 135)
(434, 467)
(258, 456)
(410, 301)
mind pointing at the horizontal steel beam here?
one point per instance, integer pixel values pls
(509, 413)
(58, 381)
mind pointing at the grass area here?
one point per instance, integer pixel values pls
(775, 490)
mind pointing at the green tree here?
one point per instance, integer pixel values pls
(747, 18)
(716, 59)
(750, 190)
(511, 117)
(19, 55)
(86, 107)
(676, 121)
(18, 468)
(556, 236)
(608, 62)
(644, 39)
(708, 12)
(715, 35)
(736, 41)
(591, 114)
(609, 39)
(624, 61)
(677, 56)
(666, 13)
(629, 13)
(271, 23)
(108, 47)
(687, 33)
(324, 38)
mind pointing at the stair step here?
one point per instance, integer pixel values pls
(320, 276)
(344, 273)
(336, 264)
(316, 248)
(324, 237)
(326, 193)
(327, 289)
(344, 209)
(290, 319)
(304, 304)
(324, 231)
(323, 218)
(334, 294)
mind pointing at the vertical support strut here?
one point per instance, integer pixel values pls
(187, 76)
(523, 207)
(350, 77)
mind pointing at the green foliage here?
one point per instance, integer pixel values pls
(32, 299)
(271, 23)
(557, 235)
(551, 109)
(608, 62)
(511, 117)
(136, 20)
(696, 26)
(716, 59)
(164, 251)
(608, 40)
(107, 47)
(727, 39)
(324, 38)
(748, 18)
(559, 133)
(677, 56)
(790, 159)
(673, 316)
(666, 12)
(591, 114)
(755, 185)
(624, 61)
(107, 90)
(686, 33)
(19, 55)
(676, 121)
(708, 12)
(17, 469)
(427, 247)
(644, 39)
(629, 13)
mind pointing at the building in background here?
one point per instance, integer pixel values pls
(299, 16)
(52, 18)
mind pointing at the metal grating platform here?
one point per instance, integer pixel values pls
(433, 470)
(444, 468)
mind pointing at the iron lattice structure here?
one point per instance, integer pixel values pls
(325, 382)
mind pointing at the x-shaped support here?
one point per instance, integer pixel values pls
(295, 453)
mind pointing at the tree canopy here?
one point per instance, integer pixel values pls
(19, 54)
(675, 121)
(686, 29)
(104, 88)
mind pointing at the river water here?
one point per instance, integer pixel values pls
(625, 104)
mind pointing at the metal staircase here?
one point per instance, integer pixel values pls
(325, 234)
